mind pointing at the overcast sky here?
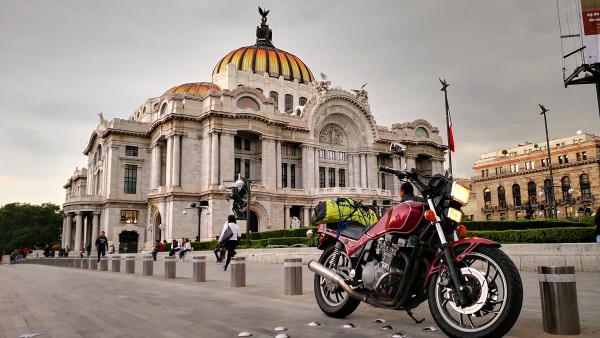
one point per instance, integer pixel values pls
(63, 62)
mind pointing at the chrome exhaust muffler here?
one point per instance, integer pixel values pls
(335, 278)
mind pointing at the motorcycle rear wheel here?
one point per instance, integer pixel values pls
(332, 299)
(495, 294)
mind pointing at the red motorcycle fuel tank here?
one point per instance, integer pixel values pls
(403, 218)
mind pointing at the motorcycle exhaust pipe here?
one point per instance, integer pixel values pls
(335, 278)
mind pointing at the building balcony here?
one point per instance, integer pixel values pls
(84, 199)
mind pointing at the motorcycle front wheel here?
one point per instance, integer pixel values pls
(332, 299)
(494, 294)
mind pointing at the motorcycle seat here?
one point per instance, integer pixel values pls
(350, 230)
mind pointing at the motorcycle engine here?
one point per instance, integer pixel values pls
(379, 275)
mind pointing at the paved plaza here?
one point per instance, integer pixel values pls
(67, 302)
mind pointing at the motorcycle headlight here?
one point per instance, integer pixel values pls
(455, 215)
(460, 193)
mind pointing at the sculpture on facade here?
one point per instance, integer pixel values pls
(264, 35)
(238, 196)
(361, 94)
(322, 87)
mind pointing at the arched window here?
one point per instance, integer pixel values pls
(275, 98)
(501, 197)
(302, 101)
(421, 132)
(584, 186)
(516, 190)
(163, 109)
(565, 185)
(532, 192)
(487, 198)
(289, 103)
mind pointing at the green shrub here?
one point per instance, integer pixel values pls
(523, 224)
(551, 235)
(292, 241)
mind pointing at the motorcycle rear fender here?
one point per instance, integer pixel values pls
(460, 249)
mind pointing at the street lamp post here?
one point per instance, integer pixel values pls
(240, 183)
(551, 189)
(198, 207)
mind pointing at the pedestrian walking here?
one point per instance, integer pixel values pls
(101, 245)
(229, 238)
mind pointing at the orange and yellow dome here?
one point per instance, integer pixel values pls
(267, 59)
(196, 88)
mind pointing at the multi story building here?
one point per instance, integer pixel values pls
(515, 183)
(261, 116)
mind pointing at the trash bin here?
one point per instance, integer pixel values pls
(558, 293)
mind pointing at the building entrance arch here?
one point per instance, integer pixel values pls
(128, 242)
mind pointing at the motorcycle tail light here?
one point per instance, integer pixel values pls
(462, 231)
(455, 215)
(430, 215)
(460, 193)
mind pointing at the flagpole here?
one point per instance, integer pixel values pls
(450, 148)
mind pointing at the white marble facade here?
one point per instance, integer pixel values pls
(177, 149)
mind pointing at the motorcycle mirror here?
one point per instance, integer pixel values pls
(398, 148)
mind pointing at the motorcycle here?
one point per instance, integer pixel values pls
(418, 252)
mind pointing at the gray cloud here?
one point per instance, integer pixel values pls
(63, 62)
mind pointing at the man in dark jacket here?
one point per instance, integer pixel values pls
(407, 193)
(101, 245)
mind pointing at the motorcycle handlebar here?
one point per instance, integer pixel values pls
(402, 174)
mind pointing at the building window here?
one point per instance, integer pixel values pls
(532, 192)
(130, 178)
(237, 142)
(129, 216)
(342, 174)
(583, 155)
(503, 216)
(246, 144)
(331, 177)
(543, 162)
(163, 109)
(289, 103)
(237, 167)
(321, 177)
(566, 157)
(275, 98)
(293, 176)
(501, 197)
(560, 160)
(247, 103)
(527, 166)
(302, 101)
(565, 184)
(284, 175)
(578, 156)
(341, 155)
(331, 154)
(247, 168)
(321, 153)
(584, 185)
(131, 151)
(516, 190)
(487, 198)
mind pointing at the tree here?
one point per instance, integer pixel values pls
(26, 225)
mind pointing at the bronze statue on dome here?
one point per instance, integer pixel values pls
(264, 35)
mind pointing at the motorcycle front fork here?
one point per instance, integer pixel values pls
(454, 275)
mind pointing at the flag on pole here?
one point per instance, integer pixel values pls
(450, 136)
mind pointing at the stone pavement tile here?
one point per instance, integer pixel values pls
(10, 333)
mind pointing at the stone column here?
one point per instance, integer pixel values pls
(69, 231)
(306, 216)
(356, 169)
(286, 221)
(350, 159)
(176, 171)
(156, 166)
(95, 222)
(278, 163)
(268, 160)
(64, 231)
(78, 231)
(226, 150)
(316, 170)
(396, 165)
(308, 175)
(411, 162)
(363, 170)
(214, 158)
(372, 171)
(169, 180)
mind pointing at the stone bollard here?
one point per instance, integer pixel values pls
(116, 263)
(558, 293)
(129, 264)
(103, 264)
(170, 267)
(292, 276)
(148, 266)
(199, 267)
(85, 263)
(77, 263)
(93, 263)
(238, 272)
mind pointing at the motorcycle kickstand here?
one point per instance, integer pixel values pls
(409, 312)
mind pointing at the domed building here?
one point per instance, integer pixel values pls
(169, 170)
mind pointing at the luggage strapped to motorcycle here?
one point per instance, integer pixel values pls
(366, 214)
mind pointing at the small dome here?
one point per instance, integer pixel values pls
(267, 59)
(196, 88)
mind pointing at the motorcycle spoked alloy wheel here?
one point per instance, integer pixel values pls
(494, 293)
(331, 298)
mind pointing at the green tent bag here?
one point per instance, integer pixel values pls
(343, 209)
